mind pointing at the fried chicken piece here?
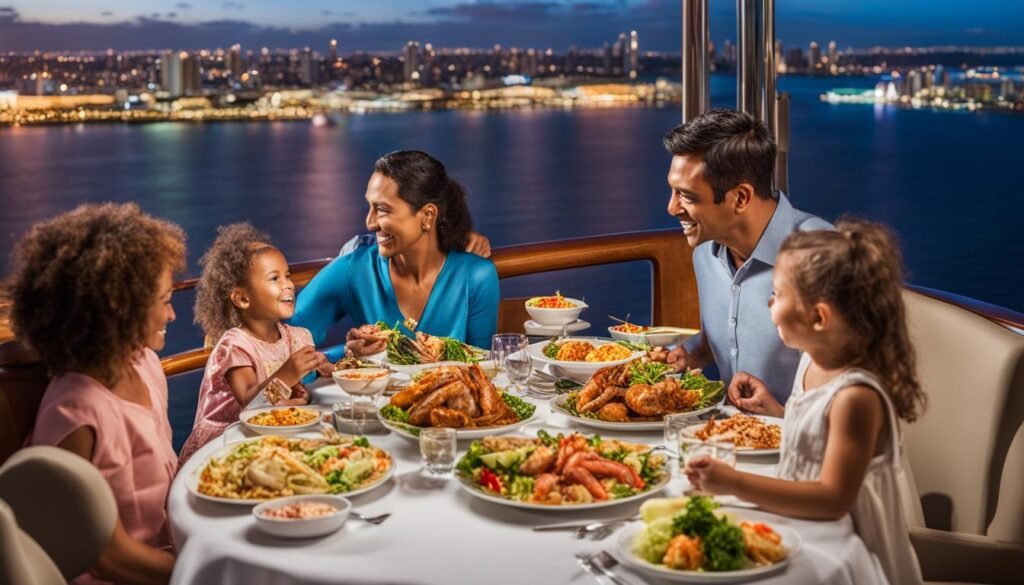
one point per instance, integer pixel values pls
(447, 417)
(415, 392)
(613, 412)
(463, 401)
(597, 401)
(420, 413)
(661, 398)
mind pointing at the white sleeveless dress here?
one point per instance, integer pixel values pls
(886, 496)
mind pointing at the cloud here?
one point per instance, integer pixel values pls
(172, 15)
(8, 15)
(233, 5)
(106, 13)
(183, 6)
(327, 12)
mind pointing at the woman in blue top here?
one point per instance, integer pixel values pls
(411, 266)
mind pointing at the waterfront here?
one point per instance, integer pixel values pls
(945, 181)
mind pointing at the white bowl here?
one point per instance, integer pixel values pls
(363, 381)
(655, 339)
(305, 527)
(557, 317)
(579, 371)
(246, 415)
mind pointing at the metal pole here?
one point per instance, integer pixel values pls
(695, 59)
(782, 139)
(748, 86)
(768, 47)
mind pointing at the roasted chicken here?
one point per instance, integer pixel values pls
(456, 397)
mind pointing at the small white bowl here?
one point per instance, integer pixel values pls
(303, 527)
(363, 381)
(557, 317)
(246, 416)
(655, 339)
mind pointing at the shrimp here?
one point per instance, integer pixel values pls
(600, 400)
(684, 553)
(600, 466)
(578, 474)
(568, 447)
(543, 485)
(539, 461)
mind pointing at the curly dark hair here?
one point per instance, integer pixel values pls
(422, 179)
(81, 286)
(226, 266)
(734, 146)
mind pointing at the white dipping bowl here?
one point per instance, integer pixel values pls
(363, 381)
(557, 317)
(303, 527)
(656, 339)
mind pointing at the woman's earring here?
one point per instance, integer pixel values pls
(426, 227)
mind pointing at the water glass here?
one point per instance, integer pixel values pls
(505, 344)
(437, 446)
(691, 448)
(518, 366)
(675, 423)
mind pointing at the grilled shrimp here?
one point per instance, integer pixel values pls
(542, 459)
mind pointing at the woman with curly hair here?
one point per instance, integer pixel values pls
(244, 292)
(91, 295)
(412, 266)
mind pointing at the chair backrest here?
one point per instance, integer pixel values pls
(23, 382)
(962, 450)
(62, 502)
(22, 561)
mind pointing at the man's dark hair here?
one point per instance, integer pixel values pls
(735, 147)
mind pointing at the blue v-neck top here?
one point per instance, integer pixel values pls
(462, 304)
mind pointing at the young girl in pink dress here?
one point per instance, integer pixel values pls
(91, 295)
(243, 294)
(838, 297)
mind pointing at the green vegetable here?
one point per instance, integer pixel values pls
(551, 350)
(548, 439)
(318, 457)
(521, 487)
(655, 508)
(621, 490)
(649, 373)
(509, 460)
(571, 399)
(595, 441)
(471, 459)
(723, 547)
(346, 480)
(394, 413)
(361, 442)
(711, 391)
(523, 408)
(698, 518)
(634, 346)
(652, 542)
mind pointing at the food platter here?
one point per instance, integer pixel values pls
(467, 485)
(412, 433)
(691, 431)
(194, 478)
(580, 370)
(247, 416)
(558, 406)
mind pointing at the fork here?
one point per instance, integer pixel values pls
(590, 565)
(606, 562)
(375, 520)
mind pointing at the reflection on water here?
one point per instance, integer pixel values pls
(945, 181)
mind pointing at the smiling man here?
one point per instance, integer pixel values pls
(721, 183)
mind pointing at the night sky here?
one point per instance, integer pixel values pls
(378, 25)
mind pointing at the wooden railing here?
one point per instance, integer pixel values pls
(674, 287)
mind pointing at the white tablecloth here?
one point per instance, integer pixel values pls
(440, 534)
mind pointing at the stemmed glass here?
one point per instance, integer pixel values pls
(508, 350)
(362, 384)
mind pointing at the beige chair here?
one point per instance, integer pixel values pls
(22, 560)
(967, 450)
(63, 503)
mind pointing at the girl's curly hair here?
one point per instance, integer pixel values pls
(81, 286)
(225, 267)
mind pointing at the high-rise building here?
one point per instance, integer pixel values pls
(411, 65)
(631, 66)
(780, 63)
(606, 67)
(179, 73)
(833, 54)
(530, 63)
(309, 68)
(813, 56)
(235, 66)
(729, 53)
(795, 60)
(333, 51)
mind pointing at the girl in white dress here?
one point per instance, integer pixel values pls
(838, 298)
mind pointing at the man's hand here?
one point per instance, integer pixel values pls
(749, 393)
(365, 340)
(479, 245)
(678, 358)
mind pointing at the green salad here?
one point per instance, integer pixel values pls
(426, 349)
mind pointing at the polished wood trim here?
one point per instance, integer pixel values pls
(1001, 315)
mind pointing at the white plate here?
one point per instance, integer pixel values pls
(624, 552)
(406, 431)
(655, 339)
(581, 370)
(487, 365)
(532, 327)
(474, 489)
(558, 405)
(691, 430)
(279, 430)
(192, 481)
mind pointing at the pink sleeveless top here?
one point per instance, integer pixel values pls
(218, 407)
(133, 444)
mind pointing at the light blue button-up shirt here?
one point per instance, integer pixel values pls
(734, 304)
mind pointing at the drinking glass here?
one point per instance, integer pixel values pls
(518, 366)
(675, 423)
(437, 446)
(505, 344)
(691, 448)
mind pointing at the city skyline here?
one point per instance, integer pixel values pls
(64, 25)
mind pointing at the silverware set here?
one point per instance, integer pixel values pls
(596, 530)
(601, 564)
(375, 520)
(544, 385)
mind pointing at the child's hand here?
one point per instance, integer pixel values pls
(710, 475)
(325, 367)
(365, 340)
(299, 364)
(750, 393)
(478, 244)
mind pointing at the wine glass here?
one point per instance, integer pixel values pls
(505, 344)
(518, 366)
(362, 384)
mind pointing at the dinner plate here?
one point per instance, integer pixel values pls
(411, 433)
(691, 431)
(412, 370)
(192, 481)
(558, 406)
(578, 370)
(325, 391)
(624, 550)
(246, 415)
(468, 485)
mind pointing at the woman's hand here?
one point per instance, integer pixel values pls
(479, 245)
(750, 393)
(365, 340)
(300, 363)
(711, 475)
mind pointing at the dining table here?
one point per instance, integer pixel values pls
(440, 533)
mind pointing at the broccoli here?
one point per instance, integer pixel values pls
(723, 547)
